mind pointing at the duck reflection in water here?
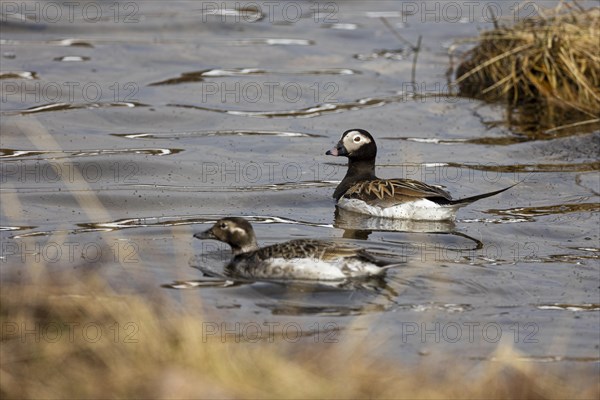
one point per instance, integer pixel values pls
(361, 226)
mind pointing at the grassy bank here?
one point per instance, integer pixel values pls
(547, 65)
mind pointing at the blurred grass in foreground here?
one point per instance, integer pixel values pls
(149, 350)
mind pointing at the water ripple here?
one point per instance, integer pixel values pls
(394, 54)
(307, 112)
(70, 42)
(495, 141)
(248, 14)
(569, 259)
(543, 359)
(183, 188)
(198, 76)
(179, 135)
(280, 308)
(146, 222)
(237, 189)
(19, 154)
(530, 212)
(18, 75)
(446, 307)
(569, 307)
(564, 167)
(16, 228)
(72, 106)
(272, 42)
(341, 26)
(505, 220)
(72, 58)
(514, 168)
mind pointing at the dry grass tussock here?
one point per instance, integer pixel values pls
(551, 60)
(159, 352)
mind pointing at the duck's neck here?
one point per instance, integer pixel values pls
(358, 170)
(238, 249)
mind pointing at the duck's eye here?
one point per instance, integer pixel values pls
(223, 225)
(356, 139)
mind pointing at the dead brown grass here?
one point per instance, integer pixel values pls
(552, 60)
(167, 358)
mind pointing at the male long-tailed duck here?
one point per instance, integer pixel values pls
(361, 191)
(301, 259)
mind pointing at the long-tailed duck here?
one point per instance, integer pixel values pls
(301, 259)
(361, 191)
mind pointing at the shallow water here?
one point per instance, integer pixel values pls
(122, 137)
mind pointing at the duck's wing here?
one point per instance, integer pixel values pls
(388, 192)
(307, 248)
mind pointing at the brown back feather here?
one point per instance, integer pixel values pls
(394, 191)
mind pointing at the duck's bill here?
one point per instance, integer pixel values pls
(336, 151)
(205, 235)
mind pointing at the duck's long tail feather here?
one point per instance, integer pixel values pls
(396, 265)
(468, 200)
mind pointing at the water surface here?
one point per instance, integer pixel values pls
(123, 137)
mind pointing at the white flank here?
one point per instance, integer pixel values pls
(417, 210)
(315, 269)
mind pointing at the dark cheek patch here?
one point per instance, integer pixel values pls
(240, 236)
